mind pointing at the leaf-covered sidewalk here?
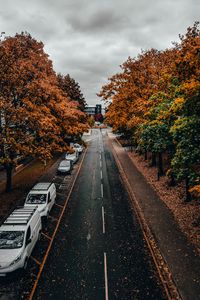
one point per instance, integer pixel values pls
(187, 215)
(179, 254)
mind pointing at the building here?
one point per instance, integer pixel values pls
(90, 110)
(98, 109)
(93, 110)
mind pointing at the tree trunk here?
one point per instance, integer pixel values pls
(160, 164)
(153, 160)
(145, 155)
(140, 152)
(188, 195)
(9, 168)
(172, 180)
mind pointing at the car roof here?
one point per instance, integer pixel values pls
(42, 186)
(65, 162)
(19, 218)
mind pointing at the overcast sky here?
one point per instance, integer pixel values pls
(89, 39)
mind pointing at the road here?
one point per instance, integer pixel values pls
(99, 251)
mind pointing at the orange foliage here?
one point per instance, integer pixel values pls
(129, 91)
(36, 116)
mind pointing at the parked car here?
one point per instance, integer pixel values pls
(78, 147)
(42, 195)
(72, 156)
(18, 236)
(65, 166)
(97, 123)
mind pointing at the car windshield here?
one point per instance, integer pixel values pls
(11, 239)
(36, 199)
(65, 163)
(71, 154)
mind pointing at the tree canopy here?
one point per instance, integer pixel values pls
(72, 90)
(156, 98)
(36, 116)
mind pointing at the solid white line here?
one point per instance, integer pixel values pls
(102, 190)
(101, 175)
(103, 219)
(106, 276)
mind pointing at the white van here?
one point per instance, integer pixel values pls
(18, 236)
(42, 195)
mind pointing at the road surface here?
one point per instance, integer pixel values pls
(99, 251)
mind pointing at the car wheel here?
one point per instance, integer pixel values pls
(39, 235)
(44, 221)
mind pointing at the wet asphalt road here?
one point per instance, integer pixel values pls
(99, 251)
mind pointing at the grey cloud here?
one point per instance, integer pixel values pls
(89, 39)
(96, 22)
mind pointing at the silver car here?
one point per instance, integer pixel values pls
(65, 166)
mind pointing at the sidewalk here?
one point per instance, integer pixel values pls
(179, 254)
(16, 171)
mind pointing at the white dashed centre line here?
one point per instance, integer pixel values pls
(100, 164)
(101, 174)
(102, 190)
(103, 219)
(106, 276)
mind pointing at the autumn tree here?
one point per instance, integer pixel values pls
(90, 121)
(130, 91)
(72, 90)
(32, 107)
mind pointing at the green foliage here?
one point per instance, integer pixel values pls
(90, 121)
(155, 137)
(186, 160)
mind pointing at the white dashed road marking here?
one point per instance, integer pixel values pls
(88, 236)
(103, 219)
(106, 276)
(102, 190)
